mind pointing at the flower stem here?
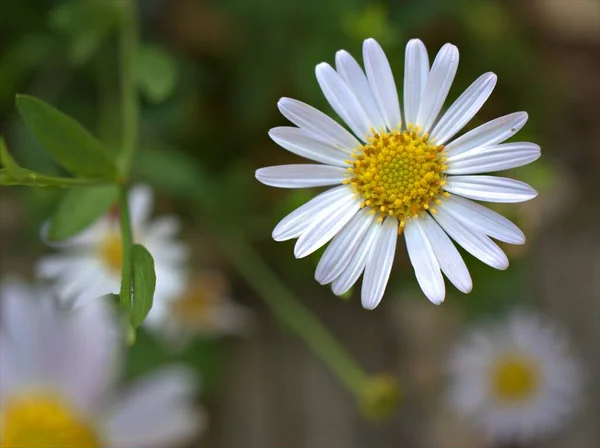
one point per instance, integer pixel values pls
(129, 93)
(127, 242)
(289, 309)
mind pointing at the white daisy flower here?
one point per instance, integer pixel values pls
(89, 264)
(399, 176)
(57, 381)
(204, 308)
(516, 379)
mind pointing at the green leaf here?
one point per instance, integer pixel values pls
(156, 73)
(79, 208)
(12, 168)
(69, 143)
(86, 24)
(144, 283)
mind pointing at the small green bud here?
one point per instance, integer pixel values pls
(380, 397)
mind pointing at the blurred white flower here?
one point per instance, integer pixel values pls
(204, 308)
(57, 381)
(394, 176)
(89, 264)
(515, 379)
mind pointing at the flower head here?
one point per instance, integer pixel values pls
(396, 176)
(516, 379)
(57, 381)
(89, 264)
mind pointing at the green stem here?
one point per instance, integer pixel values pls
(33, 179)
(129, 97)
(127, 242)
(287, 307)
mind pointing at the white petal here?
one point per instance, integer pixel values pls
(141, 202)
(464, 108)
(490, 133)
(450, 260)
(438, 84)
(477, 244)
(379, 264)
(343, 246)
(162, 228)
(296, 222)
(342, 100)
(493, 158)
(383, 86)
(349, 69)
(157, 412)
(490, 188)
(424, 261)
(301, 176)
(416, 71)
(326, 226)
(305, 144)
(316, 122)
(483, 220)
(357, 264)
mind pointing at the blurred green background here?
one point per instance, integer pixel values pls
(211, 73)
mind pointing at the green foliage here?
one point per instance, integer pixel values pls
(79, 208)
(69, 143)
(156, 73)
(144, 283)
(85, 24)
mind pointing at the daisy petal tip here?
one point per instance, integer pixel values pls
(370, 303)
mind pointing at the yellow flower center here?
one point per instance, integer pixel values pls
(399, 173)
(43, 421)
(514, 378)
(196, 307)
(111, 251)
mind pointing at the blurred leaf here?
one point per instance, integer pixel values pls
(156, 72)
(12, 168)
(171, 171)
(86, 23)
(79, 208)
(65, 139)
(144, 283)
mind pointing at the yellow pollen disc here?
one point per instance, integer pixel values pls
(43, 421)
(111, 251)
(514, 378)
(399, 173)
(196, 307)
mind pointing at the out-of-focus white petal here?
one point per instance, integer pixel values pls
(349, 69)
(383, 86)
(307, 145)
(296, 222)
(437, 87)
(450, 260)
(326, 226)
(379, 264)
(301, 176)
(157, 412)
(464, 108)
(343, 246)
(343, 100)
(490, 188)
(483, 220)
(490, 133)
(424, 261)
(141, 203)
(416, 71)
(316, 122)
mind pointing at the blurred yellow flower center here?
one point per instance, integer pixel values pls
(514, 378)
(399, 174)
(195, 308)
(43, 421)
(111, 251)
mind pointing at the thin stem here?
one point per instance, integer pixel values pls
(129, 99)
(287, 307)
(127, 242)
